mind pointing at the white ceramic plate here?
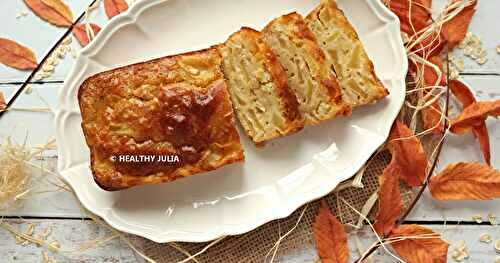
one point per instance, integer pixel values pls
(275, 180)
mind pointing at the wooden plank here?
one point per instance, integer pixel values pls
(40, 129)
(71, 234)
(40, 36)
(35, 33)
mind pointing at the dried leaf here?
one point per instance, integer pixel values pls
(430, 46)
(408, 154)
(431, 118)
(465, 96)
(466, 181)
(3, 103)
(330, 235)
(53, 11)
(417, 244)
(390, 204)
(411, 21)
(82, 32)
(474, 115)
(455, 29)
(15, 55)
(115, 7)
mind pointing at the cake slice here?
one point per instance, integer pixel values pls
(309, 76)
(264, 105)
(159, 121)
(345, 52)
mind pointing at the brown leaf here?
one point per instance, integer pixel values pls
(390, 204)
(455, 29)
(418, 246)
(3, 103)
(82, 32)
(430, 46)
(431, 117)
(330, 235)
(430, 76)
(474, 115)
(53, 11)
(465, 96)
(415, 21)
(15, 55)
(466, 181)
(407, 154)
(115, 7)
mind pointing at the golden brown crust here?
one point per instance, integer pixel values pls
(346, 54)
(295, 45)
(172, 106)
(264, 104)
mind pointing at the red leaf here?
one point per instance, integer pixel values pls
(475, 115)
(465, 96)
(454, 30)
(390, 204)
(466, 181)
(115, 7)
(419, 244)
(330, 235)
(429, 74)
(15, 55)
(411, 21)
(408, 154)
(53, 11)
(82, 35)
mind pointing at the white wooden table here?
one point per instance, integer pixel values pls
(61, 211)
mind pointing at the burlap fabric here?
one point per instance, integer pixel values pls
(257, 245)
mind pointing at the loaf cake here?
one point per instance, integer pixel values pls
(174, 109)
(309, 76)
(257, 83)
(346, 54)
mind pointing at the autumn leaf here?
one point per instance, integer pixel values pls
(15, 55)
(82, 32)
(466, 181)
(432, 44)
(465, 96)
(390, 204)
(415, 21)
(431, 118)
(474, 115)
(53, 11)
(330, 235)
(407, 154)
(455, 29)
(114, 7)
(418, 244)
(3, 103)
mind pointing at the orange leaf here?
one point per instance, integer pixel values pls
(3, 103)
(474, 115)
(15, 55)
(466, 181)
(462, 92)
(417, 244)
(330, 235)
(430, 46)
(430, 76)
(455, 29)
(82, 33)
(390, 205)
(431, 117)
(411, 21)
(53, 11)
(465, 96)
(408, 154)
(115, 7)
